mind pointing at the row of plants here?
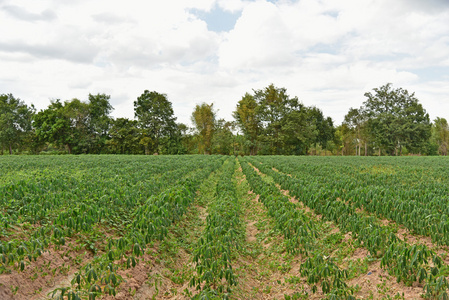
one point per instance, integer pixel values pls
(300, 234)
(409, 263)
(150, 222)
(222, 237)
(108, 196)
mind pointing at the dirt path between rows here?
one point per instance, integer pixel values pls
(54, 268)
(376, 283)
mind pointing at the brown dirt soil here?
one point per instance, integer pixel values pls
(5, 293)
(152, 280)
(404, 234)
(34, 284)
(377, 284)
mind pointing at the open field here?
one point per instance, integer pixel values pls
(214, 227)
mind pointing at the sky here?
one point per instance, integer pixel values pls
(328, 53)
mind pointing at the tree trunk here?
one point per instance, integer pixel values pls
(380, 151)
(10, 149)
(366, 149)
(69, 148)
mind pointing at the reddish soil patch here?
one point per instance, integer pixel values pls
(377, 284)
(404, 234)
(37, 279)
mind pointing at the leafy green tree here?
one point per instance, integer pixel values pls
(156, 119)
(440, 135)
(99, 121)
(15, 121)
(223, 139)
(346, 139)
(272, 122)
(247, 119)
(64, 124)
(203, 117)
(324, 127)
(124, 137)
(356, 122)
(274, 104)
(299, 130)
(396, 119)
(189, 141)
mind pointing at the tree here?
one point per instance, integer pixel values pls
(223, 139)
(247, 119)
(396, 119)
(274, 104)
(272, 122)
(64, 124)
(15, 121)
(299, 130)
(356, 122)
(324, 127)
(203, 117)
(156, 119)
(124, 137)
(440, 135)
(99, 121)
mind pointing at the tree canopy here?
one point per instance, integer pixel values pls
(156, 119)
(390, 121)
(15, 121)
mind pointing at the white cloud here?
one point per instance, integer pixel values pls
(327, 52)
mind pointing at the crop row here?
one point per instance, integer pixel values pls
(300, 234)
(100, 202)
(222, 236)
(408, 263)
(151, 221)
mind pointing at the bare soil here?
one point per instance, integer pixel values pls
(50, 270)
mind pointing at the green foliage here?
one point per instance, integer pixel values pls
(15, 122)
(156, 120)
(413, 195)
(81, 127)
(274, 123)
(396, 120)
(203, 118)
(222, 236)
(440, 135)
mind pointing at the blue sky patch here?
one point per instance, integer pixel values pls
(217, 20)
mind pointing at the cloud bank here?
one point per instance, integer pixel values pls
(327, 52)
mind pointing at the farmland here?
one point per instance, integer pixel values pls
(214, 227)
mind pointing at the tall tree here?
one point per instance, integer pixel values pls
(396, 119)
(124, 137)
(156, 119)
(299, 130)
(440, 135)
(223, 139)
(203, 117)
(64, 124)
(356, 122)
(324, 127)
(248, 120)
(15, 121)
(99, 121)
(272, 122)
(274, 103)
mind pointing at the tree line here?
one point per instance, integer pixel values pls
(265, 122)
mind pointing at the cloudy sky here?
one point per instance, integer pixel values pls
(328, 53)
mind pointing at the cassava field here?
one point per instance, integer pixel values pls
(216, 227)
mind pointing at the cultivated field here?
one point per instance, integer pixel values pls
(217, 227)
